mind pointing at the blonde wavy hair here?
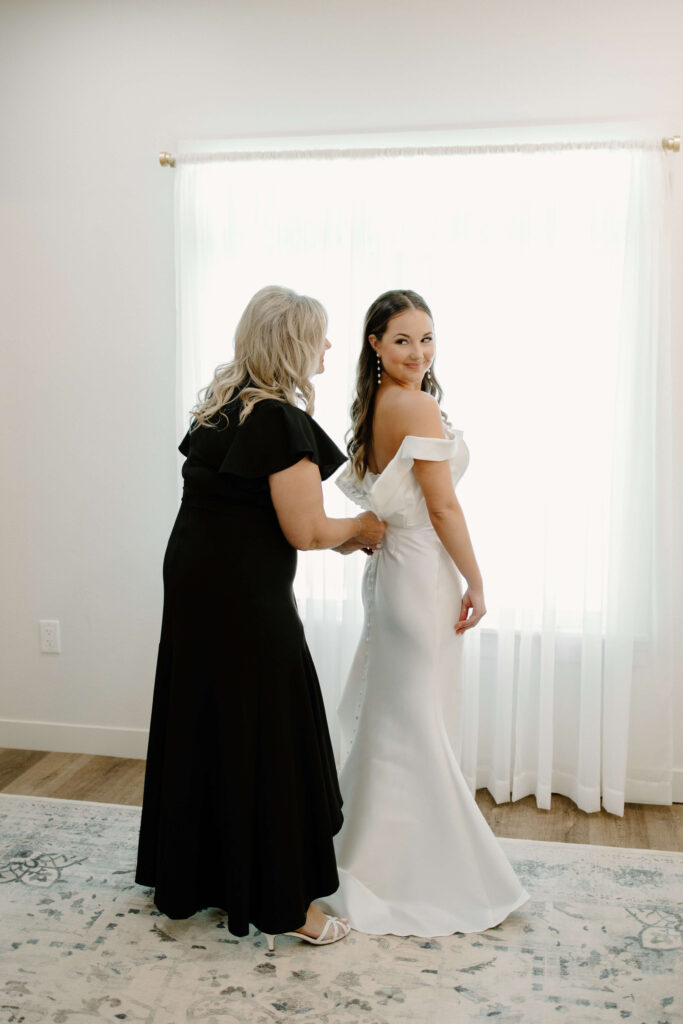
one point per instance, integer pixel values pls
(278, 342)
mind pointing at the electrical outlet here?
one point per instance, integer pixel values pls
(50, 636)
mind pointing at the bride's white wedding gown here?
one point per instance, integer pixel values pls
(415, 855)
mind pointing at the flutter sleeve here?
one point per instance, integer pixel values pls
(276, 435)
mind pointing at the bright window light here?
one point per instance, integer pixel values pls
(521, 260)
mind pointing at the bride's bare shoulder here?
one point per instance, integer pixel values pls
(412, 412)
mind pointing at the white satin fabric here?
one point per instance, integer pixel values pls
(415, 855)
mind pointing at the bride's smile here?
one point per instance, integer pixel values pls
(406, 349)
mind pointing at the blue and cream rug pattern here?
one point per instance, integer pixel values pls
(600, 940)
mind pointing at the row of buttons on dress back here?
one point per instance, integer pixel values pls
(371, 571)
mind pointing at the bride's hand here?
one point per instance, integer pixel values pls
(371, 530)
(472, 602)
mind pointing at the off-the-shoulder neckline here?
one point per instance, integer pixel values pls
(418, 437)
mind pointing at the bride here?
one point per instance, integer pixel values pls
(415, 855)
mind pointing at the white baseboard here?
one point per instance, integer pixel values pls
(677, 786)
(73, 739)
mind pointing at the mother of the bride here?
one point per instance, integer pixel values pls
(241, 798)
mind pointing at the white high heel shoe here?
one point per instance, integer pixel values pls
(339, 930)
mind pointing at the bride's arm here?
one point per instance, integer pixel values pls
(418, 414)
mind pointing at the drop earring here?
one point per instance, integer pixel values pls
(428, 374)
(379, 368)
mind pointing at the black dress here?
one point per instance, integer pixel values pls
(241, 798)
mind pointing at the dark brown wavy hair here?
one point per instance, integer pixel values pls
(359, 436)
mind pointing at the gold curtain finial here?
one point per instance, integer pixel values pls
(673, 143)
(166, 159)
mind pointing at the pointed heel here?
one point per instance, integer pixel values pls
(271, 941)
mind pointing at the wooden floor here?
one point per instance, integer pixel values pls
(119, 781)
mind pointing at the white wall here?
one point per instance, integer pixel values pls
(90, 91)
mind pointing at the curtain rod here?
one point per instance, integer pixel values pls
(671, 144)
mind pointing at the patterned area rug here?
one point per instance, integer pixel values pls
(600, 940)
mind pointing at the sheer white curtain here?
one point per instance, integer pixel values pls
(548, 275)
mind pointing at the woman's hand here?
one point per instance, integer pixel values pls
(371, 531)
(349, 546)
(472, 601)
